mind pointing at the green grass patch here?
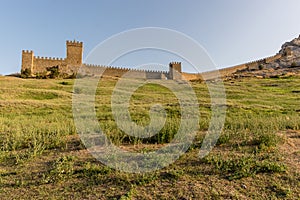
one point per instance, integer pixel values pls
(42, 156)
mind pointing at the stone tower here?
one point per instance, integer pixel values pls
(175, 71)
(74, 53)
(27, 61)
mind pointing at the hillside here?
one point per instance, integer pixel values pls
(287, 64)
(256, 157)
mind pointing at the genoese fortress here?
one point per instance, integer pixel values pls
(35, 66)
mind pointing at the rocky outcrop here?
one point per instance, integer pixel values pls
(290, 53)
(287, 63)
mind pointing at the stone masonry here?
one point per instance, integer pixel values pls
(37, 66)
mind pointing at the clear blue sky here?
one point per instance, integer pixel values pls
(232, 31)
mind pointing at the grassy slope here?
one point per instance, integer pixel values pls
(257, 155)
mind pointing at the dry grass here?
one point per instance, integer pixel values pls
(257, 155)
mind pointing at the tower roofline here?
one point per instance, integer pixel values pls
(74, 42)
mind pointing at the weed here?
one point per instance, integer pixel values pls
(91, 169)
(280, 191)
(237, 168)
(129, 194)
(264, 141)
(61, 169)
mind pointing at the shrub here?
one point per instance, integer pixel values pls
(41, 75)
(17, 74)
(26, 73)
(54, 71)
(65, 83)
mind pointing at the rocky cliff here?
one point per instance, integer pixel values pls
(288, 63)
(290, 52)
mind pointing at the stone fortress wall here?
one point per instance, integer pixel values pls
(36, 65)
(253, 65)
(119, 72)
(249, 65)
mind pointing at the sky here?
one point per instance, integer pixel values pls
(231, 31)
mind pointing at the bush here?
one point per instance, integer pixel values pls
(26, 73)
(54, 72)
(65, 83)
(41, 75)
(18, 75)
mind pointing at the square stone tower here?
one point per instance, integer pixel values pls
(175, 71)
(27, 62)
(74, 53)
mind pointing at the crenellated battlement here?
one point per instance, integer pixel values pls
(248, 65)
(74, 43)
(175, 63)
(48, 58)
(27, 51)
(113, 71)
(124, 68)
(264, 60)
(93, 65)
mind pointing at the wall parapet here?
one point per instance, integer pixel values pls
(230, 70)
(27, 51)
(124, 68)
(74, 43)
(175, 63)
(266, 59)
(48, 58)
(251, 63)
